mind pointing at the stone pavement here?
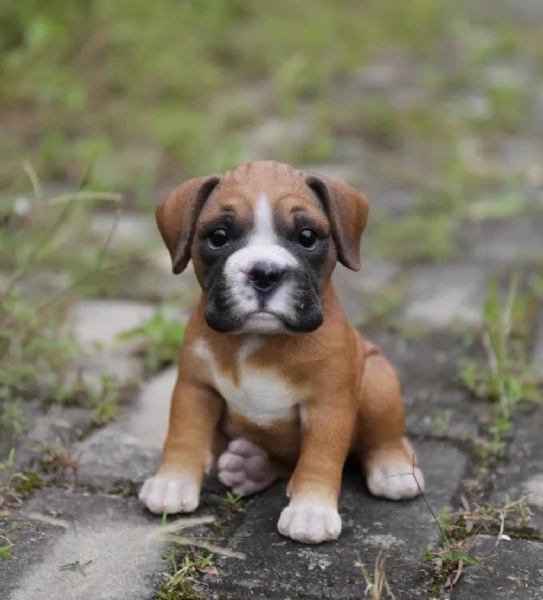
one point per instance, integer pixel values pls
(89, 538)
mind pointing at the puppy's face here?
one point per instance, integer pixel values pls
(262, 255)
(264, 239)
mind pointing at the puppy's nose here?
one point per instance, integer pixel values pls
(265, 275)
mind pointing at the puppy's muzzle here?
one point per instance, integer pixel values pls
(265, 276)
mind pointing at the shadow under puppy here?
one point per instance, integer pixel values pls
(273, 382)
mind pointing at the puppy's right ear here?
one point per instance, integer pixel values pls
(176, 216)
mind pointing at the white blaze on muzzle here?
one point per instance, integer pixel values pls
(262, 247)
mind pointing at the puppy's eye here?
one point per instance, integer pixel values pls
(308, 239)
(217, 239)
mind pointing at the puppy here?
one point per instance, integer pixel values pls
(272, 379)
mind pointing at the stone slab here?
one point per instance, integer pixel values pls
(444, 295)
(504, 241)
(97, 325)
(44, 427)
(355, 289)
(514, 571)
(128, 451)
(113, 539)
(537, 357)
(277, 568)
(437, 403)
(101, 321)
(348, 173)
(521, 474)
(127, 230)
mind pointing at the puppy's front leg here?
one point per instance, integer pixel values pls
(194, 414)
(312, 516)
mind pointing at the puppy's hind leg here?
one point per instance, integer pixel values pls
(388, 461)
(247, 469)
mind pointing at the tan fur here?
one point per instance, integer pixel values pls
(350, 395)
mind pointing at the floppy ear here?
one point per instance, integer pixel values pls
(176, 216)
(347, 210)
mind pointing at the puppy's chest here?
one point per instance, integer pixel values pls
(258, 395)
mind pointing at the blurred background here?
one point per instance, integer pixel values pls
(428, 103)
(433, 107)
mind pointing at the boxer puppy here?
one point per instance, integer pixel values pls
(272, 379)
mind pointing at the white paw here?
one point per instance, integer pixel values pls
(245, 468)
(310, 522)
(170, 494)
(395, 480)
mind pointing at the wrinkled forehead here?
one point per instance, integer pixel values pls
(262, 202)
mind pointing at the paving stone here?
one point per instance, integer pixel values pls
(526, 10)
(445, 295)
(41, 286)
(514, 571)
(355, 289)
(537, 359)
(342, 171)
(376, 275)
(437, 403)
(97, 325)
(113, 539)
(518, 153)
(130, 230)
(537, 110)
(156, 286)
(44, 426)
(510, 240)
(101, 321)
(522, 472)
(394, 201)
(510, 74)
(269, 138)
(375, 77)
(128, 451)
(278, 568)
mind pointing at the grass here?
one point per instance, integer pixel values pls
(14, 485)
(36, 348)
(12, 416)
(56, 459)
(417, 238)
(53, 61)
(5, 553)
(180, 584)
(161, 337)
(185, 561)
(234, 502)
(459, 532)
(377, 585)
(242, 62)
(506, 378)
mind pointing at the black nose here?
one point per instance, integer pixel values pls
(265, 275)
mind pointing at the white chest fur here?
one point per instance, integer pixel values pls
(259, 395)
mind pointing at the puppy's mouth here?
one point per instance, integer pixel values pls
(264, 322)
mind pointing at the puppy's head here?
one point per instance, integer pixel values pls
(264, 239)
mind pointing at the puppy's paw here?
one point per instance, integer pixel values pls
(310, 522)
(245, 468)
(392, 475)
(170, 493)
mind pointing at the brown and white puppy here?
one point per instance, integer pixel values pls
(272, 380)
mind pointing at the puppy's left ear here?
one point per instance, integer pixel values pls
(176, 217)
(347, 210)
